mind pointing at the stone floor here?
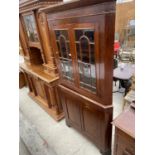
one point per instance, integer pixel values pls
(23, 149)
(44, 136)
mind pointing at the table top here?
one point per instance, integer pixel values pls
(124, 71)
(126, 122)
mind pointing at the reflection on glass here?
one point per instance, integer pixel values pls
(31, 28)
(86, 32)
(64, 53)
(61, 32)
(86, 58)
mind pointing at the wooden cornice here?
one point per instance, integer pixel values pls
(29, 5)
(72, 5)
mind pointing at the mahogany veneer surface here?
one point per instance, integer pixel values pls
(85, 27)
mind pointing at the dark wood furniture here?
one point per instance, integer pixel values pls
(39, 67)
(125, 133)
(82, 38)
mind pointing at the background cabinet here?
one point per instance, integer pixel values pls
(39, 66)
(45, 94)
(124, 143)
(30, 26)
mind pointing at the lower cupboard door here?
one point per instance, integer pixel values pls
(73, 112)
(92, 120)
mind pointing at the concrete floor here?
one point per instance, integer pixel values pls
(23, 149)
(44, 136)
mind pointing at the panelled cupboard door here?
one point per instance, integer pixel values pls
(73, 112)
(92, 120)
(28, 82)
(39, 88)
(77, 51)
(88, 117)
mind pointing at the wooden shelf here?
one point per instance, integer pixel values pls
(38, 71)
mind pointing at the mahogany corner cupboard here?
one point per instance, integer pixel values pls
(82, 37)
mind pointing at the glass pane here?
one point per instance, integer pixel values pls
(84, 45)
(31, 28)
(59, 49)
(85, 48)
(90, 35)
(87, 32)
(78, 51)
(67, 69)
(78, 34)
(63, 45)
(92, 56)
(61, 32)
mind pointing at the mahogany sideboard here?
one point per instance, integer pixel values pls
(82, 38)
(39, 67)
(124, 143)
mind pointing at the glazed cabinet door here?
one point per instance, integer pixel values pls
(64, 52)
(30, 27)
(85, 48)
(77, 49)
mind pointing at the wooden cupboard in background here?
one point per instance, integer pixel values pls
(124, 142)
(83, 46)
(39, 67)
